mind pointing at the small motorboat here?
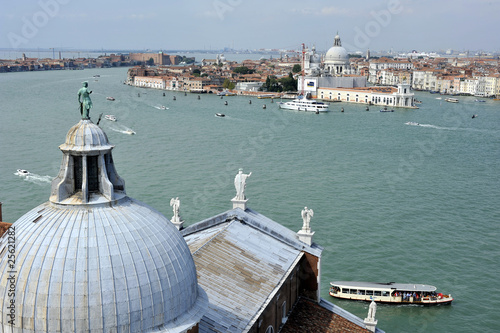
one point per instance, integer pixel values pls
(163, 107)
(220, 115)
(110, 117)
(412, 123)
(129, 132)
(451, 100)
(225, 103)
(109, 98)
(474, 116)
(479, 100)
(385, 109)
(22, 172)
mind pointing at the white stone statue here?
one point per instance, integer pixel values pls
(306, 216)
(175, 203)
(371, 311)
(240, 183)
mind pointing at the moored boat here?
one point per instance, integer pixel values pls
(304, 104)
(391, 293)
(226, 93)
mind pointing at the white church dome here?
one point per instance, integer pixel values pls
(93, 259)
(337, 54)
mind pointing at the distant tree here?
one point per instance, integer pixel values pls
(187, 60)
(296, 68)
(272, 84)
(288, 83)
(196, 72)
(228, 84)
(243, 70)
(150, 62)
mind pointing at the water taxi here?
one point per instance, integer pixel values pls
(304, 104)
(391, 293)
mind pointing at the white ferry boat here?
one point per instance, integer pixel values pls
(304, 104)
(392, 293)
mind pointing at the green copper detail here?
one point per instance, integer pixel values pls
(84, 100)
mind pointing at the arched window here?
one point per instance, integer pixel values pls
(283, 313)
(270, 329)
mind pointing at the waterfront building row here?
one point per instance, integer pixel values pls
(384, 96)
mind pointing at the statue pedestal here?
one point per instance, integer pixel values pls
(370, 324)
(237, 203)
(305, 236)
(177, 222)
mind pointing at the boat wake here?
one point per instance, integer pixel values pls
(438, 127)
(122, 129)
(453, 128)
(34, 178)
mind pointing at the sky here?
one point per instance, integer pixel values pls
(400, 25)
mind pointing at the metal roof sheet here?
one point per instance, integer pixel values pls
(241, 259)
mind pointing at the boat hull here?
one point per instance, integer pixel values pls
(396, 300)
(306, 109)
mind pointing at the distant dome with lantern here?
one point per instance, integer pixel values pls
(337, 58)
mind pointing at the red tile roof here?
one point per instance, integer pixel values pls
(309, 317)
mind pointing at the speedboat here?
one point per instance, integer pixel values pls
(412, 123)
(22, 172)
(129, 132)
(110, 117)
(451, 100)
(220, 115)
(304, 104)
(391, 292)
(110, 98)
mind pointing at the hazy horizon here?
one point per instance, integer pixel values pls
(214, 25)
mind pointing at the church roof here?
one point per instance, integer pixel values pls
(242, 258)
(337, 54)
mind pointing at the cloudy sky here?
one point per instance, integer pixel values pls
(423, 25)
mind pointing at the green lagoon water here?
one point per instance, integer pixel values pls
(392, 202)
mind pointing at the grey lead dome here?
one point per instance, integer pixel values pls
(101, 263)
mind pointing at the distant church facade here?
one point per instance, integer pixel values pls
(332, 71)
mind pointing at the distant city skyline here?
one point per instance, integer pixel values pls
(399, 25)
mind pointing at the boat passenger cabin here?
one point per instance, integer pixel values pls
(395, 293)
